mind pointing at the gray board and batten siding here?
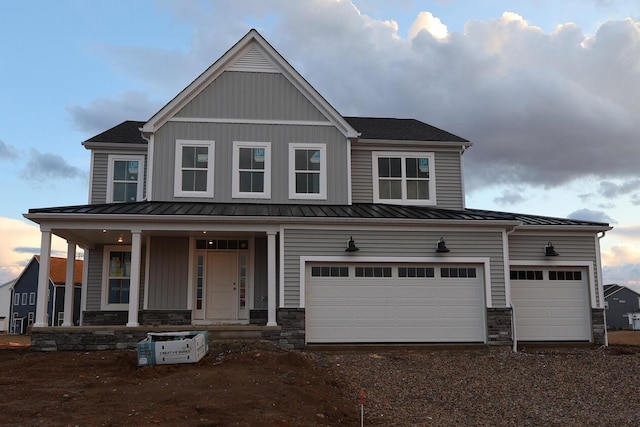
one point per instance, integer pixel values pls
(396, 244)
(224, 134)
(251, 96)
(168, 273)
(448, 174)
(578, 247)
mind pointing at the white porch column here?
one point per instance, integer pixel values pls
(43, 279)
(69, 284)
(134, 286)
(271, 278)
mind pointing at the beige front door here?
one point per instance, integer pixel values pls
(222, 285)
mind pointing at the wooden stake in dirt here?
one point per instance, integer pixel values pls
(361, 407)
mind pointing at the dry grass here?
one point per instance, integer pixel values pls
(7, 340)
(624, 338)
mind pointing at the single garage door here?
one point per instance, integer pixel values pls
(361, 303)
(551, 304)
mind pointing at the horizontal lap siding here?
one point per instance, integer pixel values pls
(448, 176)
(224, 134)
(246, 95)
(168, 273)
(571, 248)
(386, 243)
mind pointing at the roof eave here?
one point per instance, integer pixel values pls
(465, 144)
(565, 227)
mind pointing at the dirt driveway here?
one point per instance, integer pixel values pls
(243, 383)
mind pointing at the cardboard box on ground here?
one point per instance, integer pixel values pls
(161, 348)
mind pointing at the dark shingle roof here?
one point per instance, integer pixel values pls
(357, 210)
(126, 132)
(400, 129)
(369, 127)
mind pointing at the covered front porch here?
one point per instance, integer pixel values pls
(202, 270)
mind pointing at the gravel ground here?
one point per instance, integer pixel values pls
(584, 386)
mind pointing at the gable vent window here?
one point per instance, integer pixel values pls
(373, 271)
(565, 275)
(526, 275)
(330, 271)
(458, 272)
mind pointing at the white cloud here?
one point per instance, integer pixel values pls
(510, 197)
(429, 23)
(17, 235)
(591, 215)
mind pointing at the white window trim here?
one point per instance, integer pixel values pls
(24, 298)
(235, 192)
(16, 298)
(32, 298)
(404, 155)
(177, 187)
(125, 157)
(105, 278)
(322, 195)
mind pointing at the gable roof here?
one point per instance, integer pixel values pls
(251, 53)
(58, 270)
(400, 129)
(610, 290)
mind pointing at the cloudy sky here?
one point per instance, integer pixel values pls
(547, 91)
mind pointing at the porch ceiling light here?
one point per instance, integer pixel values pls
(549, 250)
(351, 246)
(441, 247)
(120, 239)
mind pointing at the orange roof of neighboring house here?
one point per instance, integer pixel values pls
(58, 270)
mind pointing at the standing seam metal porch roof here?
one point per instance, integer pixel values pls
(357, 210)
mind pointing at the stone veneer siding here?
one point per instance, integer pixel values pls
(598, 326)
(291, 322)
(499, 326)
(145, 317)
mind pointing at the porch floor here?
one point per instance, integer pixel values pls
(87, 338)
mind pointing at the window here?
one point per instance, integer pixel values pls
(194, 168)
(330, 271)
(24, 298)
(117, 277)
(415, 272)
(526, 274)
(16, 298)
(458, 272)
(565, 275)
(32, 298)
(404, 178)
(307, 171)
(252, 170)
(373, 271)
(30, 317)
(125, 178)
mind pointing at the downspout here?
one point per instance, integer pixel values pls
(149, 164)
(464, 201)
(600, 290)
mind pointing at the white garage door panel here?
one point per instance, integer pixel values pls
(552, 310)
(350, 309)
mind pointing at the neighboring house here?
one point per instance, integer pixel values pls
(249, 199)
(5, 305)
(620, 304)
(24, 293)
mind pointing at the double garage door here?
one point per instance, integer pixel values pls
(551, 304)
(378, 303)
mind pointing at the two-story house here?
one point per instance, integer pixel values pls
(249, 199)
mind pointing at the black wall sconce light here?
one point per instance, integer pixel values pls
(549, 250)
(351, 246)
(442, 247)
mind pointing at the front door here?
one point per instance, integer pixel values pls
(222, 285)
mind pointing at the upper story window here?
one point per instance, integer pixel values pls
(251, 170)
(194, 168)
(307, 171)
(125, 178)
(405, 178)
